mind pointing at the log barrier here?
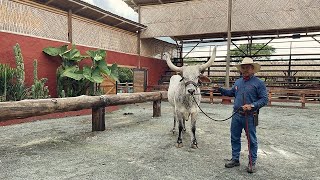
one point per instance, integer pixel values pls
(37, 107)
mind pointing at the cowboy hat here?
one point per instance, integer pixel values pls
(247, 60)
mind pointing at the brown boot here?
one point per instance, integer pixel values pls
(251, 169)
(232, 163)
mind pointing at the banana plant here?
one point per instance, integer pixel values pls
(85, 76)
(70, 60)
(99, 67)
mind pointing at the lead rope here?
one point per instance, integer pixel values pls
(211, 117)
(248, 134)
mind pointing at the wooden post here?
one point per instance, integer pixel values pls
(157, 108)
(211, 96)
(98, 119)
(127, 87)
(70, 25)
(303, 100)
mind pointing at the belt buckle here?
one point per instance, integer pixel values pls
(242, 112)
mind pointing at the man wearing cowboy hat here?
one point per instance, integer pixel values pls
(250, 95)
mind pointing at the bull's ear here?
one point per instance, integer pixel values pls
(204, 79)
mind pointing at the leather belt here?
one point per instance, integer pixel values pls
(243, 113)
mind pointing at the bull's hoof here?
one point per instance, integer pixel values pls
(173, 130)
(184, 129)
(194, 144)
(179, 145)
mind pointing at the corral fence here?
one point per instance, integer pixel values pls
(126, 87)
(281, 95)
(37, 107)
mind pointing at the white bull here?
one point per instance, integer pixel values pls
(183, 92)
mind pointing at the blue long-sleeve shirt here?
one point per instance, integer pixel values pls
(252, 91)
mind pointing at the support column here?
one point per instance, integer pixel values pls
(156, 108)
(98, 119)
(227, 83)
(70, 25)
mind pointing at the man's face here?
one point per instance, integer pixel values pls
(246, 69)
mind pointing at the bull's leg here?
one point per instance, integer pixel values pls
(174, 123)
(184, 124)
(194, 143)
(179, 141)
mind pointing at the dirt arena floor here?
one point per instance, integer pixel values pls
(137, 146)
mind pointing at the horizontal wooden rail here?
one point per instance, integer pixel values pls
(29, 108)
(302, 96)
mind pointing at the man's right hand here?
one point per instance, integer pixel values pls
(215, 86)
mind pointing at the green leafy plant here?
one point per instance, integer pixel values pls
(12, 81)
(38, 89)
(19, 89)
(254, 49)
(7, 75)
(20, 64)
(125, 74)
(76, 81)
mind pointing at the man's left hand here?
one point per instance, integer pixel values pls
(247, 107)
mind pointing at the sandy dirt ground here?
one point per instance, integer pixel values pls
(137, 146)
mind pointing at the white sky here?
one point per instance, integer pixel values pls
(117, 7)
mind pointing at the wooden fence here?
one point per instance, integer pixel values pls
(125, 87)
(29, 108)
(302, 96)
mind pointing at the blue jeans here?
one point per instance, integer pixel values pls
(237, 124)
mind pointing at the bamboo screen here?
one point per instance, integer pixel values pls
(274, 14)
(23, 19)
(210, 16)
(93, 34)
(31, 20)
(184, 18)
(158, 49)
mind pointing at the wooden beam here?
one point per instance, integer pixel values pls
(48, 2)
(102, 17)
(119, 24)
(81, 9)
(29, 108)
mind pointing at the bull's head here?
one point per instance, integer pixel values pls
(191, 74)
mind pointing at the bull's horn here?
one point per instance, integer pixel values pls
(173, 67)
(211, 60)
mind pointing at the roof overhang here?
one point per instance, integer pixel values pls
(224, 35)
(135, 3)
(157, 28)
(95, 13)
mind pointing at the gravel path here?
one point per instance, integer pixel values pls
(137, 146)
